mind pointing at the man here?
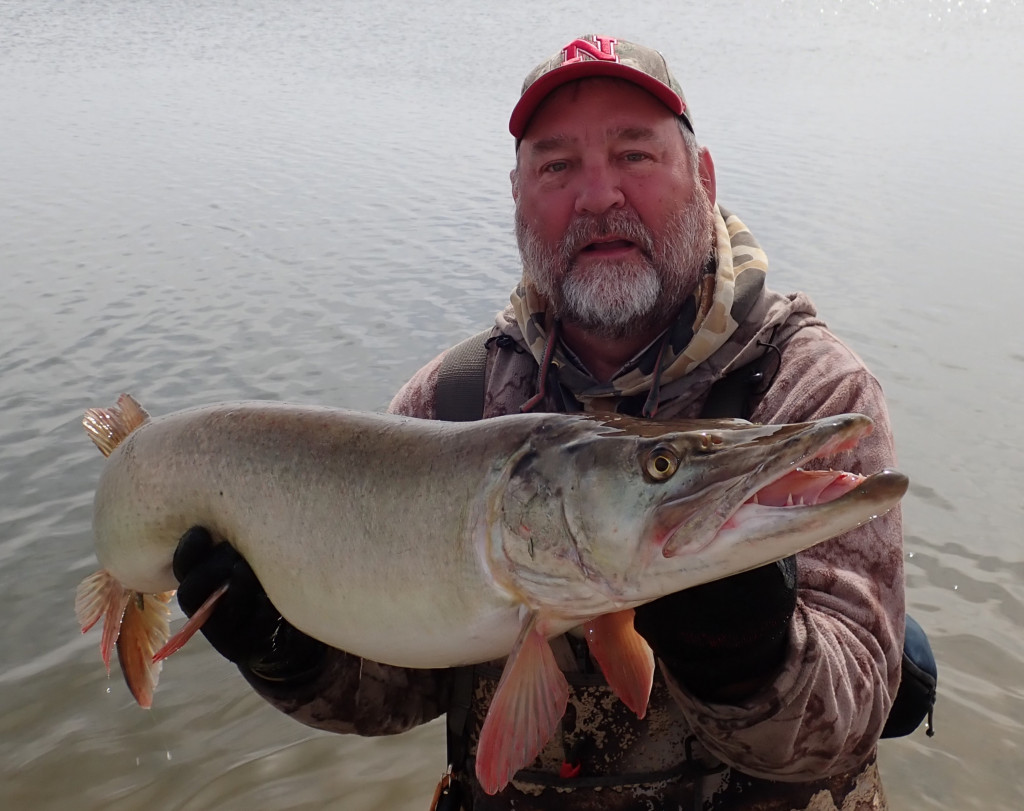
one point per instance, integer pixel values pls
(639, 294)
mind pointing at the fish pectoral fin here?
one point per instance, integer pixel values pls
(195, 622)
(624, 656)
(525, 710)
(145, 628)
(102, 595)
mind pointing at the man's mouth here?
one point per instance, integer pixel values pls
(607, 247)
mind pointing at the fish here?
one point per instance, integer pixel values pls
(428, 544)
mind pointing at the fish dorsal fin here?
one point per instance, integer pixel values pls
(624, 656)
(108, 427)
(144, 629)
(525, 710)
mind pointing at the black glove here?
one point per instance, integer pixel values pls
(723, 639)
(244, 626)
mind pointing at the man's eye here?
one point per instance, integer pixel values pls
(635, 157)
(555, 166)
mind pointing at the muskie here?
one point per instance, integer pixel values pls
(429, 544)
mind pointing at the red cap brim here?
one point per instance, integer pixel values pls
(546, 84)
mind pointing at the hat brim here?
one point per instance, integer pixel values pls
(550, 81)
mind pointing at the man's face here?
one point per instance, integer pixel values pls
(613, 218)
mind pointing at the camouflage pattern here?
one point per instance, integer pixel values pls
(806, 740)
(656, 763)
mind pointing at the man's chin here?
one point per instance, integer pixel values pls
(612, 321)
(611, 301)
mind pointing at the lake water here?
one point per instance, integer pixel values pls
(307, 200)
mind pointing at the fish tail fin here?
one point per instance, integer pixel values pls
(624, 656)
(525, 711)
(107, 427)
(100, 595)
(144, 629)
(136, 624)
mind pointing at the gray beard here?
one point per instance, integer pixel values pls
(617, 299)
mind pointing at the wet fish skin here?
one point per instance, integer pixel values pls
(427, 544)
(469, 521)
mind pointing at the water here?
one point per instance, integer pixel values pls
(305, 201)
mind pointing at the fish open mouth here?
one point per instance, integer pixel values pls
(777, 497)
(798, 489)
(804, 488)
(807, 488)
(814, 505)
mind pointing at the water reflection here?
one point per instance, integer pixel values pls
(227, 200)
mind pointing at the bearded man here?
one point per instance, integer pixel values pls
(640, 295)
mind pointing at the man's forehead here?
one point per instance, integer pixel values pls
(611, 133)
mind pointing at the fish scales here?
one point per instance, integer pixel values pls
(355, 523)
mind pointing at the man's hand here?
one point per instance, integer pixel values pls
(245, 627)
(724, 640)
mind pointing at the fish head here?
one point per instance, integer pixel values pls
(605, 513)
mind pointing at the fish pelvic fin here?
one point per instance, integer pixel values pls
(107, 427)
(144, 629)
(624, 656)
(525, 711)
(136, 624)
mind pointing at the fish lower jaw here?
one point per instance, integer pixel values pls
(831, 504)
(788, 519)
(799, 489)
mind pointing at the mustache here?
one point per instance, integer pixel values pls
(622, 224)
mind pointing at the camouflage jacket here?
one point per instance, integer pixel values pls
(807, 740)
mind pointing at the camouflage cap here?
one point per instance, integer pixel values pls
(595, 55)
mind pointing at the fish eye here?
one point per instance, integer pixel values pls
(662, 463)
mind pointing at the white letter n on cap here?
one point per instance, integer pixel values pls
(606, 52)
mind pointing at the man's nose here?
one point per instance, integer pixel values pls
(599, 190)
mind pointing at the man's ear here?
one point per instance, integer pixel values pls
(706, 170)
(513, 177)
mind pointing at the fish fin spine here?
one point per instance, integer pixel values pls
(525, 711)
(108, 427)
(144, 629)
(626, 659)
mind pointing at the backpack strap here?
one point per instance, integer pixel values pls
(733, 395)
(459, 396)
